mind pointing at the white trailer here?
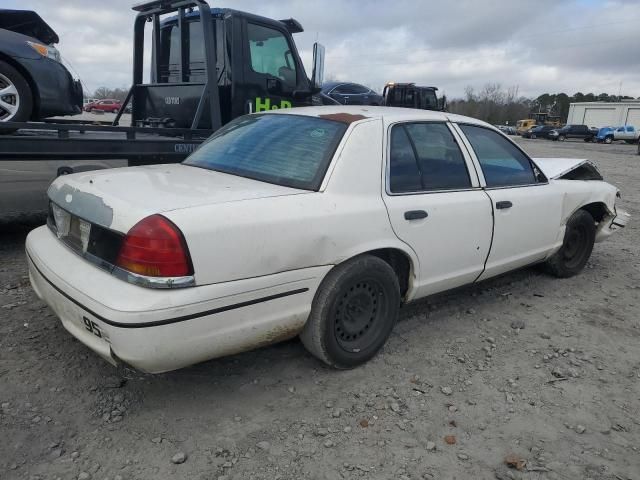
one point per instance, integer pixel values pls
(602, 114)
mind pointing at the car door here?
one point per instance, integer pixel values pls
(270, 69)
(618, 133)
(526, 208)
(435, 204)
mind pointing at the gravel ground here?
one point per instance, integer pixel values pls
(525, 369)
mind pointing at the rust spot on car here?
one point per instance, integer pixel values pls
(343, 117)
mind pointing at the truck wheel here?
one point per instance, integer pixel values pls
(16, 100)
(579, 238)
(533, 136)
(353, 312)
(608, 139)
(562, 138)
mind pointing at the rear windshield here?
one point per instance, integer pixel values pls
(289, 150)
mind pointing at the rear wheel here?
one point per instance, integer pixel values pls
(353, 312)
(16, 100)
(579, 238)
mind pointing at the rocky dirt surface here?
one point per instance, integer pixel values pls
(525, 376)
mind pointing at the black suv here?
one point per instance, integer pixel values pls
(572, 131)
(539, 131)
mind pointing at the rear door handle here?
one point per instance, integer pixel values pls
(415, 215)
(504, 204)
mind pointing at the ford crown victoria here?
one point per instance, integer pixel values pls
(316, 222)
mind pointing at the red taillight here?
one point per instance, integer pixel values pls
(155, 247)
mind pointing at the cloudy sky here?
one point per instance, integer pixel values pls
(537, 45)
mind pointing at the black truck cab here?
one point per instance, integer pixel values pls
(257, 67)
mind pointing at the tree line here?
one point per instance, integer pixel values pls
(500, 106)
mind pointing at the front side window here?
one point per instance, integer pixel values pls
(425, 157)
(289, 150)
(503, 164)
(629, 129)
(270, 54)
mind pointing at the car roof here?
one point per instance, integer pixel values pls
(353, 114)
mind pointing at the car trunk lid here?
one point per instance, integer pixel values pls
(118, 198)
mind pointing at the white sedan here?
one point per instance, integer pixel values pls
(316, 222)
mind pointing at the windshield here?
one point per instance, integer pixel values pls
(289, 150)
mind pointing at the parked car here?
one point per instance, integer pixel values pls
(541, 131)
(506, 129)
(33, 83)
(628, 133)
(106, 105)
(319, 222)
(604, 135)
(572, 131)
(346, 93)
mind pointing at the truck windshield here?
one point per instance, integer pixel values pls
(289, 150)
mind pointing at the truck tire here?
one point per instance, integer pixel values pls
(577, 246)
(353, 312)
(562, 138)
(608, 139)
(16, 99)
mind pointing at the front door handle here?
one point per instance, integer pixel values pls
(504, 204)
(415, 215)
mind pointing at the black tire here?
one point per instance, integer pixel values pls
(533, 136)
(23, 97)
(562, 138)
(353, 312)
(577, 246)
(608, 139)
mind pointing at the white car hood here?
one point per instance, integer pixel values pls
(119, 198)
(557, 167)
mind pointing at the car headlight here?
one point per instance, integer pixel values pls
(46, 50)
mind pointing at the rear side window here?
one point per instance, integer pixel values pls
(425, 157)
(503, 164)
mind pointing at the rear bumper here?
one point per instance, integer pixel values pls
(157, 331)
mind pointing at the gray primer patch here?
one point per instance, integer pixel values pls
(82, 204)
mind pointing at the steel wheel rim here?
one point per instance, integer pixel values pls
(359, 316)
(9, 99)
(575, 246)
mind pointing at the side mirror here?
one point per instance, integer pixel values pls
(274, 86)
(318, 67)
(442, 103)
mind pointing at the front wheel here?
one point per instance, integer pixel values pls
(353, 312)
(562, 138)
(533, 136)
(608, 140)
(579, 238)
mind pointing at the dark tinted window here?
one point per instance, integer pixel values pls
(290, 150)
(350, 89)
(404, 175)
(503, 164)
(425, 157)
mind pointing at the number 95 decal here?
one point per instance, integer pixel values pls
(94, 328)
